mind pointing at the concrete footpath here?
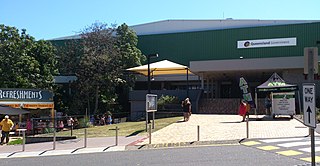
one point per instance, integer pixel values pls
(74, 146)
(213, 129)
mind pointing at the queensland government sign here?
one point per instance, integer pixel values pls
(277, 42)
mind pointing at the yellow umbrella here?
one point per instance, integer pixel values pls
(161, 68)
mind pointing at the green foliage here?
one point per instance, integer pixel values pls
(24, 62)
(98, 59)
(84, 122)
(15, 142)
(163, 100)
(99, 68)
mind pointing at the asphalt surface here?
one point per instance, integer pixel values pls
(227, 155)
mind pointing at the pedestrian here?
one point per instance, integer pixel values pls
(186, 106)
(109, 119)
(29, 126)
(267, 105)
(70, 122)
(6, 126)
(242, 109)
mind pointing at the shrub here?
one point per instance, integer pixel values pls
(163, 100)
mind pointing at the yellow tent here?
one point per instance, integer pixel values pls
(161, 68)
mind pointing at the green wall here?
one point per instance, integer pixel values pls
(222, 44)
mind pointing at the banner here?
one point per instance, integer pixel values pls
(246, 95)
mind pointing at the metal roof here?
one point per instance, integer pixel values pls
(177, 26)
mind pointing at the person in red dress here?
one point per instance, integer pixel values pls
(243, 109)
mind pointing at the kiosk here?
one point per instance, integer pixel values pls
(282, 95)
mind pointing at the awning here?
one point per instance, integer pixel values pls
(7, 110)
(276, 84)
(28, 105)
(161, 68)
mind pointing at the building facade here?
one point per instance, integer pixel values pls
(221, 51)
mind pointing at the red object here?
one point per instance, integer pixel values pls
(242, 109)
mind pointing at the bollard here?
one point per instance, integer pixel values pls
(150, 133)
(71, 128)
(198, 133)
(247, 126)
(23, 140)
(85, 138)
(116, 135)
(54, 139)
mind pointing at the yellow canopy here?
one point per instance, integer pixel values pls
(161, 68)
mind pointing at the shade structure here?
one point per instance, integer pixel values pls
(7, 110)
(276, 84)
(163, 67)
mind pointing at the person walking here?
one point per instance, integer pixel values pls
(186, 106)
(6, 125)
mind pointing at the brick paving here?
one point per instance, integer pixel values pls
(227, 127)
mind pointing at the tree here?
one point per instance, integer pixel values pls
(99, 69)
(131, 56)
(25, 62)
(99, 59)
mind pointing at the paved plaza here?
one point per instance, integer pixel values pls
(227, 127)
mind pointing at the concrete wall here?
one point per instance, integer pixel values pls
(137, 99)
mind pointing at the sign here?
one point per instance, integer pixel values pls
(310, 60)
(278, 42)
(246, 95)
(151, 103)
(309, 107)
(283, 103)
(25, 95)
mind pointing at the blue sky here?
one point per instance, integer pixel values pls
(48, 19)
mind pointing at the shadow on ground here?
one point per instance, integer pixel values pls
(135, 133)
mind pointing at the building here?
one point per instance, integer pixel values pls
(219, 52)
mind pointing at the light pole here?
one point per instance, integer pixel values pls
(148, 58)
(149, 88)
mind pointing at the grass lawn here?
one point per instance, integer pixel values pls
(125, 129)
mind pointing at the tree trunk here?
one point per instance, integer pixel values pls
(97, 99)
(88, 104)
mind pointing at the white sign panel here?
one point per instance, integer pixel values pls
(151, 103)
(283, 103)
(309, 106)
(278, 42)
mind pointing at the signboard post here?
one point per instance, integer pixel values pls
(309, 113)
(151, 106)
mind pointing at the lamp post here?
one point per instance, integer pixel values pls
(148, 58)
(149, 87)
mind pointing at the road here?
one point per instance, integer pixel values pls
(227, 155)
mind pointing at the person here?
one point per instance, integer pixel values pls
(109, 119)
(243, 109)
(6, 125)
(186, 106)
(61, 125)
(70, 122)
(29, 126)
(267, 104)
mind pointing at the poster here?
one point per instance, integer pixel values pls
(151, 103)
(283, 103)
